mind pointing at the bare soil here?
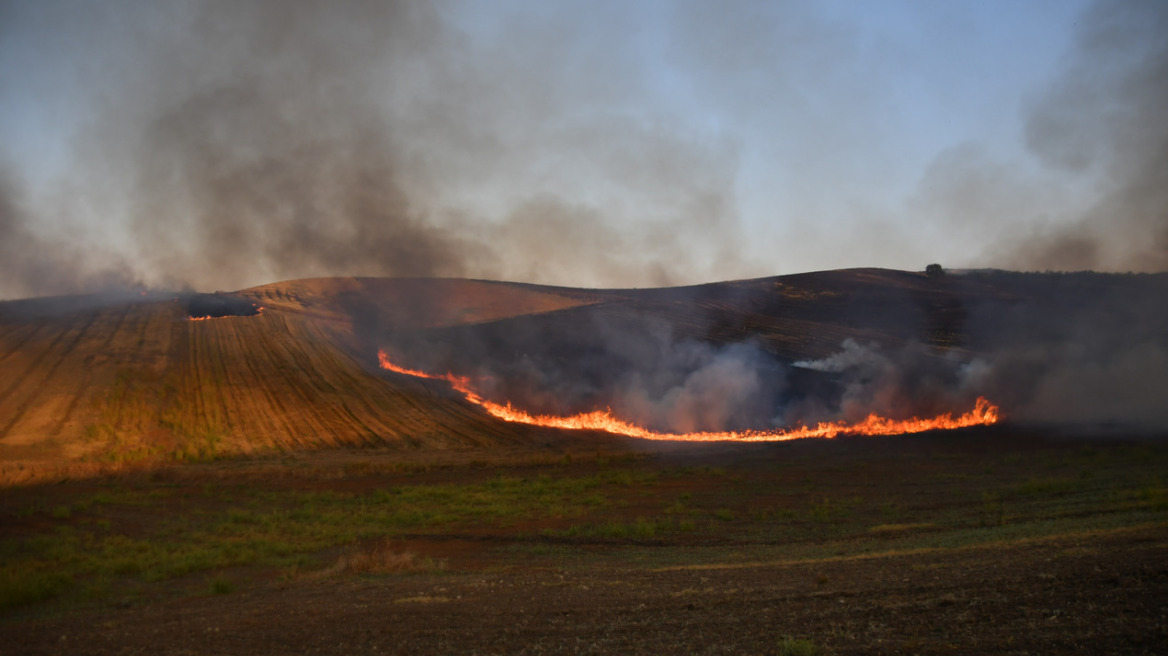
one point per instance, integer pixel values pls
(851, 583)
(1100, 594)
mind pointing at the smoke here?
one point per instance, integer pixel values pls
(664, 375)
(214, 145)
(1087, 382)
(705, 388)
(38, 263)
(239, 143)
(906, 381)
(1084, 350)
(1102, 120)
(1069, 384)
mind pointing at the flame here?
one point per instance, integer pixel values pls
(983, 413)
(258, 311)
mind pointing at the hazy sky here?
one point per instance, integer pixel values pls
(223, 144)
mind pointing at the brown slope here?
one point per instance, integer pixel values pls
(133, 381)
(808, 316)
(416, 302)
(797, 317)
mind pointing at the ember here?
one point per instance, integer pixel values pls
(984, 413)
(201, 307)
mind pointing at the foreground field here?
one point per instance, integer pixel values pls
(984, 541)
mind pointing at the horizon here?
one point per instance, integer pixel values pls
(130, 292)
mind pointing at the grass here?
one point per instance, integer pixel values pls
(238, 526)
(222, 586)
(639, 529)
(789, 646)
(119, 539)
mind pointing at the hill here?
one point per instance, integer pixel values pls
(114, 380)
(110, 381)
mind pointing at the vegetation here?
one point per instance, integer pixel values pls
(789, 646)
(125, 538)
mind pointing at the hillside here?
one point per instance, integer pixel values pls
(101, 380)
(129, 380)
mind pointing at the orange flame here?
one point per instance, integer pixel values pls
(984, 413)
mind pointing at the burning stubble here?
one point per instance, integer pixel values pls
(984, 413)
(1053, 349)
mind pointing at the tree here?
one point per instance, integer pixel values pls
(934, 271)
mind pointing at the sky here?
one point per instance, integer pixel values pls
(217, 145)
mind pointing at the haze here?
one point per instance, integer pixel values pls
(219, 145)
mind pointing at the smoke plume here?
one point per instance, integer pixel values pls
(911, 380)
(210, 144)
(241, 143)
(1084, 350)
(1102, 118)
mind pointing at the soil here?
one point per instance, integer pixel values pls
(516, 589)
(1099, 594)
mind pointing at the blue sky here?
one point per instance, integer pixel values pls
(218, 145)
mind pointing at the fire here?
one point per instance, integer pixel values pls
(258, 311)
(983, 413)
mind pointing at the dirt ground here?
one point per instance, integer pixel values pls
(1093, 586)
(1100, 594)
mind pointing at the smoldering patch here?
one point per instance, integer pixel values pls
(220, 305)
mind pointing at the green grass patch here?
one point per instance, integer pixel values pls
(639, 529)
(221, 586)
(234, 526)
(901, 528)
(788, 646)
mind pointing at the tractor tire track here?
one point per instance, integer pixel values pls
(29, 331)
(16, 380)
(83, 384)
(37, 390)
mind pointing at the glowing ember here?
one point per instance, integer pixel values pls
(258, 311)
(984, 413)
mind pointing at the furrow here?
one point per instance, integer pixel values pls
(48, 375)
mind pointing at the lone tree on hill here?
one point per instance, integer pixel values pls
(934, 271)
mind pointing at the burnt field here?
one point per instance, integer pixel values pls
(979, 541)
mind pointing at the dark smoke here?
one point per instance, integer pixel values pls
(250, 142)
(638, 366)
(264, 151)
(910, 380)
(1081, 350)
(1103, 117)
